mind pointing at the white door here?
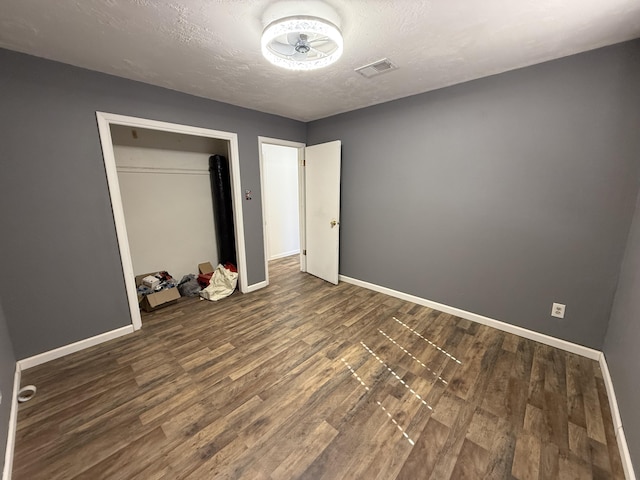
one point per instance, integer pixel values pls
(322, 185)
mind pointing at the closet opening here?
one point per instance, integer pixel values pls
(166, 202)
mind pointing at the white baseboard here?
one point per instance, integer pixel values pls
(474, 317)
(13, 421)
(256, 286)
(44, 357)
(617, 421)
(39, 359)
(285, 254)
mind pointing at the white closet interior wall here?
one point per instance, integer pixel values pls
(166, 194)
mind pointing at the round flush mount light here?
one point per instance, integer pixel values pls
(302, 43)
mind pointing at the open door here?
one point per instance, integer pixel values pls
(322, 185)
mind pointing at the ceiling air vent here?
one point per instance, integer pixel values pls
(376, 68)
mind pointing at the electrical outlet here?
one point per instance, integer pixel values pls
(557, 310)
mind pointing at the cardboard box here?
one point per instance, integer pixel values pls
(206, 272)
(156, 300)
(206, 267)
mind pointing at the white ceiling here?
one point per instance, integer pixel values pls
(211, 48)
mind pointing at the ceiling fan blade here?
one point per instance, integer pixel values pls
(320, 39)
(293, 38)
(282, 48)
(318, 53)
(299, 56)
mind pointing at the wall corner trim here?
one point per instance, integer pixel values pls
(45, 357)
(627, 465)
(13, 422)
(257, 286)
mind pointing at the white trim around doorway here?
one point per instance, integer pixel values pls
(301, 200)
(105, 120)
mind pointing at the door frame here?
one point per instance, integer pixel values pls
(301, 200)
(105, 120)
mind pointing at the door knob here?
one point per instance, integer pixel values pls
(334, 223)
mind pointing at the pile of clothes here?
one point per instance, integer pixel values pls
(212, 286)
(220, 283)
(189, 286)
(204, 279)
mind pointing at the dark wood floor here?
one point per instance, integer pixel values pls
(308, 380)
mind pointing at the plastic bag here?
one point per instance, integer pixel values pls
(223, 283)
(188, 286)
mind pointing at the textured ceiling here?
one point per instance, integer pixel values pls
(211, 48)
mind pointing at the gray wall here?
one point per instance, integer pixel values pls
(62, 280)
(622, 340)
(7, 371)
(501, 195)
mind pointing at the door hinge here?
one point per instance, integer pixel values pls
(304, 252)
(304, 162)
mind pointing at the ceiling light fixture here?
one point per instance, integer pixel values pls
(302, 43)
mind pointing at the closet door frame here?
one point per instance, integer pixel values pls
(105, 120)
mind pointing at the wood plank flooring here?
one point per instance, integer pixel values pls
(308, 380)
